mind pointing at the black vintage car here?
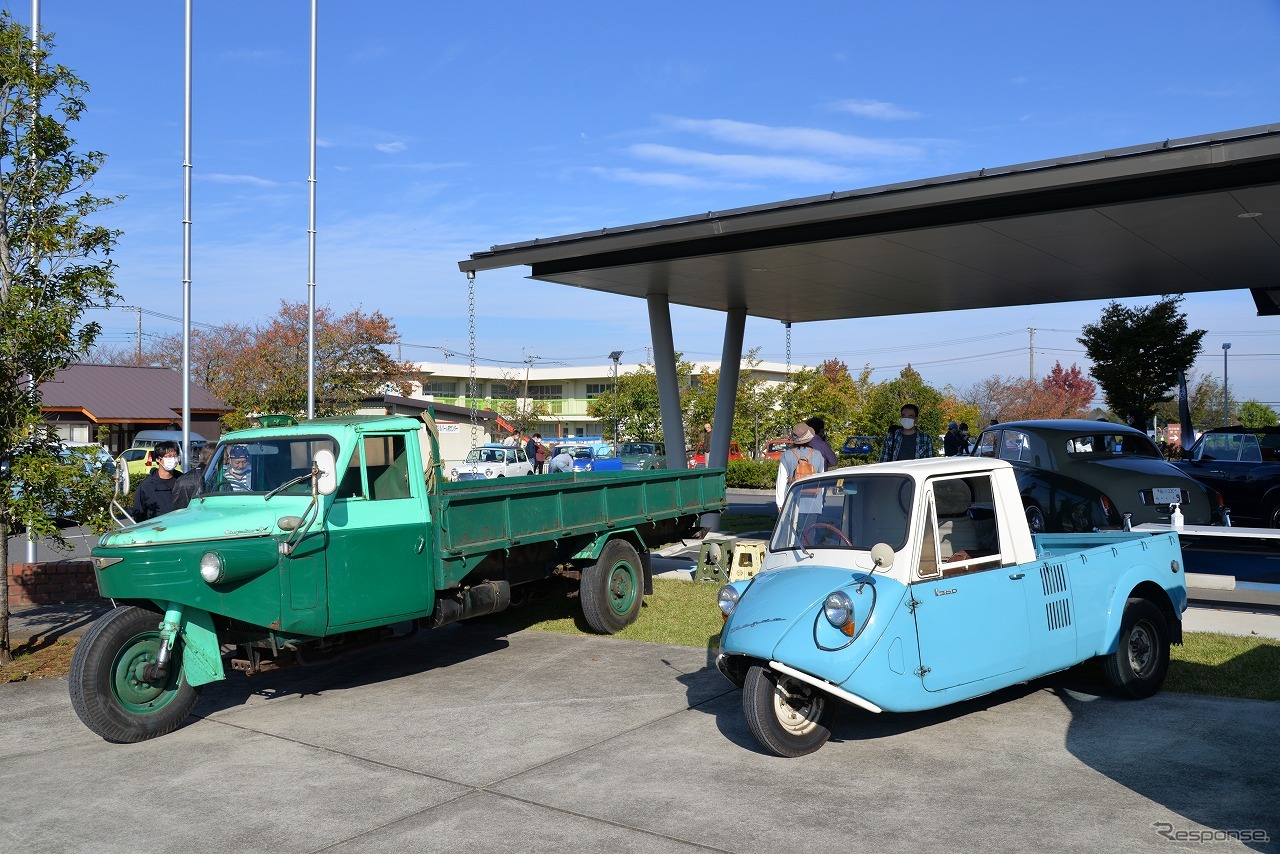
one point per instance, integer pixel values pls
(1243, 465)
(1077, 475)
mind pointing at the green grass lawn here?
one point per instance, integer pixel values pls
(685, 613)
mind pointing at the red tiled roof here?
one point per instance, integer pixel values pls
(124, 393)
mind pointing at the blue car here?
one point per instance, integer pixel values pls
(906, 586)
(594, 457)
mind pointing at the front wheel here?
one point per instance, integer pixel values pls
(1137, 668)
(788, 717)
(612, 588)
(109, 687)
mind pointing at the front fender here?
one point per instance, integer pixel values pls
(201, 652)
(779, 617)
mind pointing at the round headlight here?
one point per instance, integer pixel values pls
(728, 599)
(838, 609)
(211, 567)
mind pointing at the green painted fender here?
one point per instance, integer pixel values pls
(201, 653)
(592, 550)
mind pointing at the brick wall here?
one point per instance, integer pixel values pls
(53, 581)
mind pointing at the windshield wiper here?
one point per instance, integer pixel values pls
(299, 479)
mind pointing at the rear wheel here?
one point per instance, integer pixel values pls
(1035, 519)
(788, 717)
(1273, 517)
(110, 690)
(1138, 666)
(612, 588)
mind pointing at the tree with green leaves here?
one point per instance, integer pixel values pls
(634, 402)
(887, 398)
(54, 264)
(1204, 399)
(1137, 353)
(1254, 413)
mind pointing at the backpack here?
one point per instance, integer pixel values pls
(804, 468)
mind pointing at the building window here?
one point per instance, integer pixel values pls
(545, 392)
(77, 433)
(447, 388)
(503, 391)
(594, 390)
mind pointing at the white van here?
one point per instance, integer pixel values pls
(150, 438)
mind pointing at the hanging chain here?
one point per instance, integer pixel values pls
(471, 340)
(788, 384)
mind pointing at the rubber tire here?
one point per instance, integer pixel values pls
(781, 728)
(612, 588)
(1035, 513)
(1137, 668)
(115, 638)
(1273, 516)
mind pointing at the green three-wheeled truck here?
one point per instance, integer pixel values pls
(314, 538)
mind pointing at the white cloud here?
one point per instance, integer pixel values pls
(792, 138)
(671, 180)
(224, 178)
(879, 110)
(391, 147)
(743, 166)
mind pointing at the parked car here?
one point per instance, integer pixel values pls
(911, 585)
(91, 460)
(492, 461)
(593, 457)
(775, 448)
(858, 446)
(1077, 475)
(642, 456)
(698, 460)
(1243, 465)
(137, 461)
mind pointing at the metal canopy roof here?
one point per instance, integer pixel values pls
(1196, 214)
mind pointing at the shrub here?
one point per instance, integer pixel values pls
(749, 474)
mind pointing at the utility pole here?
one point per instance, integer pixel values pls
(1032, 351)
(139, 359)
(1226, 422)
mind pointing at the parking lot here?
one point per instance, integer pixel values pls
(469, 739)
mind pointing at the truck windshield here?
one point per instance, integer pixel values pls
(261, 465)
(845, 512)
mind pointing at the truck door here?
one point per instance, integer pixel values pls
(970, 611)
(378, 550)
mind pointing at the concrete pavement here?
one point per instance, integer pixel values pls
(470, 739)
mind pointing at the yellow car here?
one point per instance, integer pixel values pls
(137, 461)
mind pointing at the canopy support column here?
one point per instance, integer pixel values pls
(735, 323)
(664, 363)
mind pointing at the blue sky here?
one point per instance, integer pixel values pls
(447, 128)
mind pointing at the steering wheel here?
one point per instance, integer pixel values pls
(804, 538)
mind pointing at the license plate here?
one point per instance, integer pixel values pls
(1166, 495)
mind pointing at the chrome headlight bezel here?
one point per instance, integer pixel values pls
(727, 599)
(838, 609)
(212, 569)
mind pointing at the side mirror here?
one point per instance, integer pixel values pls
(324, 461)
(882, 555)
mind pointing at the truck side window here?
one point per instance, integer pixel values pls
(350, 487)
(929, 546)
(387, 467)
(968, 538)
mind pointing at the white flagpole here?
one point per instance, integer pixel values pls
(188, 463)
(311, 237)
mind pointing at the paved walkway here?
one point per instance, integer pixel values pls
(467, 739)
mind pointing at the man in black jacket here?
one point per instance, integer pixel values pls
(192, 482)
(155, 494)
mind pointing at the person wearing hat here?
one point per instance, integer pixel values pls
(952, 443)
(239, 475)
(801, 435)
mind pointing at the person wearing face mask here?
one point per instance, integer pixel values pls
(907, 443)
(155, 494)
